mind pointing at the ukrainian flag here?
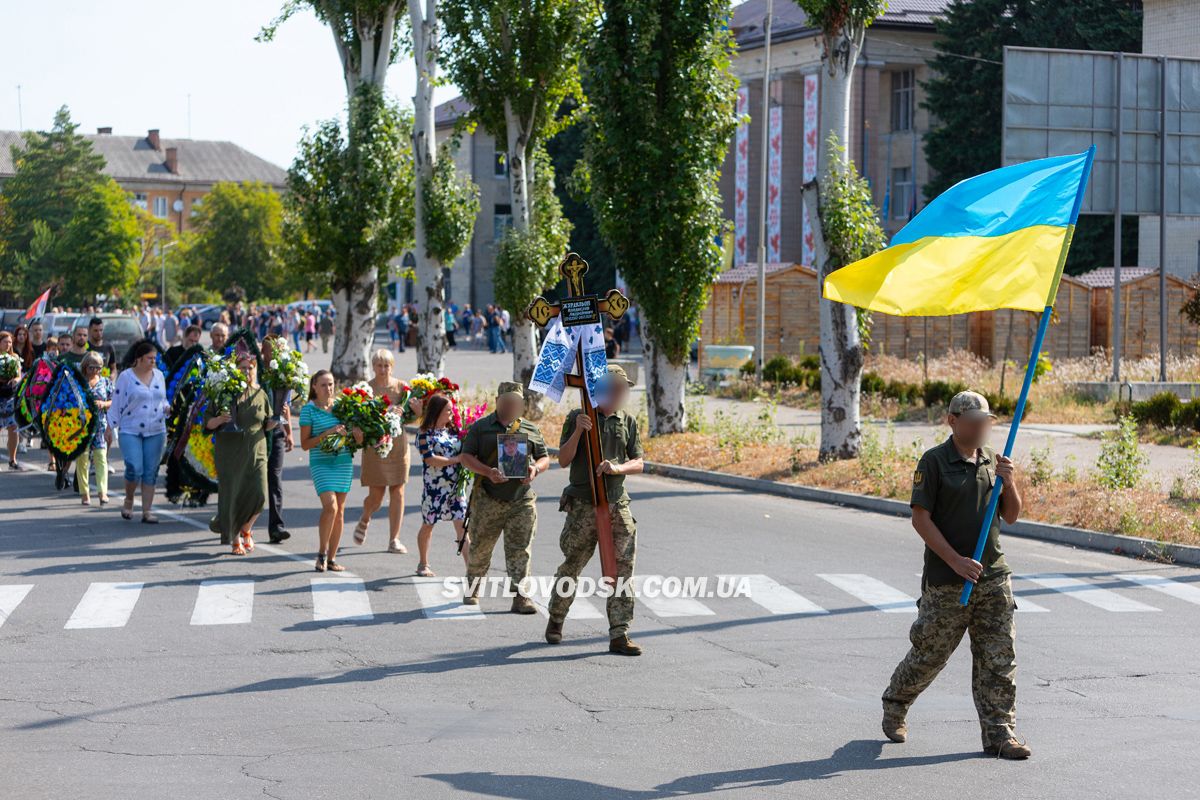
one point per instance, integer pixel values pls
(998, 240)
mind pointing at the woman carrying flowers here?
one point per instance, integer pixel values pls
(386, 474)
(330, 463)
(442, 490)
(10, 376)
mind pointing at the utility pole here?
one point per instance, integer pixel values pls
(760, 347)
(20, 116)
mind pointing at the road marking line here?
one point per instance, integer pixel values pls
(105, 605)
(340, 599)
(267, 547)
(11, 597)
(667, 606)
(873, 592)
(440, 600)
(774, 596)
(1180, 591)
(1025, 605)
(224, 602)
(581, 607)
(1088, 593)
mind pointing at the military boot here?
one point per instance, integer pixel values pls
(472, 597)
(553, 632)
(1009, 748)
(895, 728)
(523, 605)
(623, 646)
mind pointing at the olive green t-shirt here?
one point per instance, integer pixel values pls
(480, 442)
(956, 490)
(618, 443)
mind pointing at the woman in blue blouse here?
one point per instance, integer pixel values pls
(139, 413)
(331, 472)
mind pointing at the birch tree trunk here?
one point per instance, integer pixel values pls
(354, 330)
(840, 347)
(666, 383)
(520, 184)
(431, 329)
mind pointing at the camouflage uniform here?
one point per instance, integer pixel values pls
(619, 442)
(578, 542)
(941, 623)
(516, 519)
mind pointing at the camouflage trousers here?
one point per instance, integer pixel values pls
(490, 518)
(941, 623)
(578, 542)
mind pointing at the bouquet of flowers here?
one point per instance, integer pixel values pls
(465, 417)
(224, 382)
(358, 407)
(285, 375)
(10, 365)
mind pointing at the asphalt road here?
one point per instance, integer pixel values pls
(373, 687)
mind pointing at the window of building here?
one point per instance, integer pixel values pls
(500, 162)
(160, 207)
(196, 203)
(139, 200)
(902, 192)
(903, 96)
(501, 221)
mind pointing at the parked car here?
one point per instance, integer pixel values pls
(60, 324)
(10, 318)
(207, 316)
(318, 306)
(120, 330)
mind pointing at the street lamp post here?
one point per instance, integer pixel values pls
(162, 294)
(761, 338)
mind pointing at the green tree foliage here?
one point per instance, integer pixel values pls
(237, 238)
(965, 93)
(348, 209)
(527, 261)
(98, 250)
(661, 119)
(451, 205)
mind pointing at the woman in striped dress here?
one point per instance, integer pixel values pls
(331, 472)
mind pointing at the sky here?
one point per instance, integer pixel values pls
(132, 66)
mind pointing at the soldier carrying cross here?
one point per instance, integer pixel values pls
(600, 446)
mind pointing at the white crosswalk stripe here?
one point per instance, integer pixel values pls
(340, 599)
(650, 594)
(1180, 591)
(581, 607)
(224, 602)
(442, 600)
(105, 605)
(873, 592)
(10, 598)
(774, 596)
(1088, 593)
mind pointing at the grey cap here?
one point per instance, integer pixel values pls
(970, 404)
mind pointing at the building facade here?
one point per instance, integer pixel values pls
(886, 127)
(166, 177)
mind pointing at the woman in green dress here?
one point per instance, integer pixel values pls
(241, 460)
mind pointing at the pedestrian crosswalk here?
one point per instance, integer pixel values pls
(341, 599)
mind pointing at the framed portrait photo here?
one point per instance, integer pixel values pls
(512, 455)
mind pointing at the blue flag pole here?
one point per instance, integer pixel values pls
(1030, 369)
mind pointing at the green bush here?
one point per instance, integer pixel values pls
(871, 382)
(1121, 464)
(939, 393)
(902, 392)
(809, 378)
(810, 361)
(777, 369)
(1187, 416)
(1003, 406)
(747, 369)
(1159, 411)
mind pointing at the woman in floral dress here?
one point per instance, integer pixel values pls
(439, 445)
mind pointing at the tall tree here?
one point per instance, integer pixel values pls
(517, 62)
(237, 238)
(843, 24)
(370, 233)
(661, 117)
(964, 95)
(97, 252)
(348, 210)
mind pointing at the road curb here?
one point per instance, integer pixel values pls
(1135, 546)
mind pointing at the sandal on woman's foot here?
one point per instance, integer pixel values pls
(149, 519)
(248, 542)
(320, 562)
(423, 571)
(127, 511)
(103, 499)
(238, 550)
(85, 500)
(394, 546)
(360, 532)
(333, 566)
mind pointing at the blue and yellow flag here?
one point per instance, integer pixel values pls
(998, 240)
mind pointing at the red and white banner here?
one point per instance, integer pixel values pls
(774, 182)
(39, 306)
(741, 178)
(808, 252)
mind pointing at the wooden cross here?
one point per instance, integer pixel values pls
(580, 308)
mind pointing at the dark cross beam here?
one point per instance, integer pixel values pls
(580, 308)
